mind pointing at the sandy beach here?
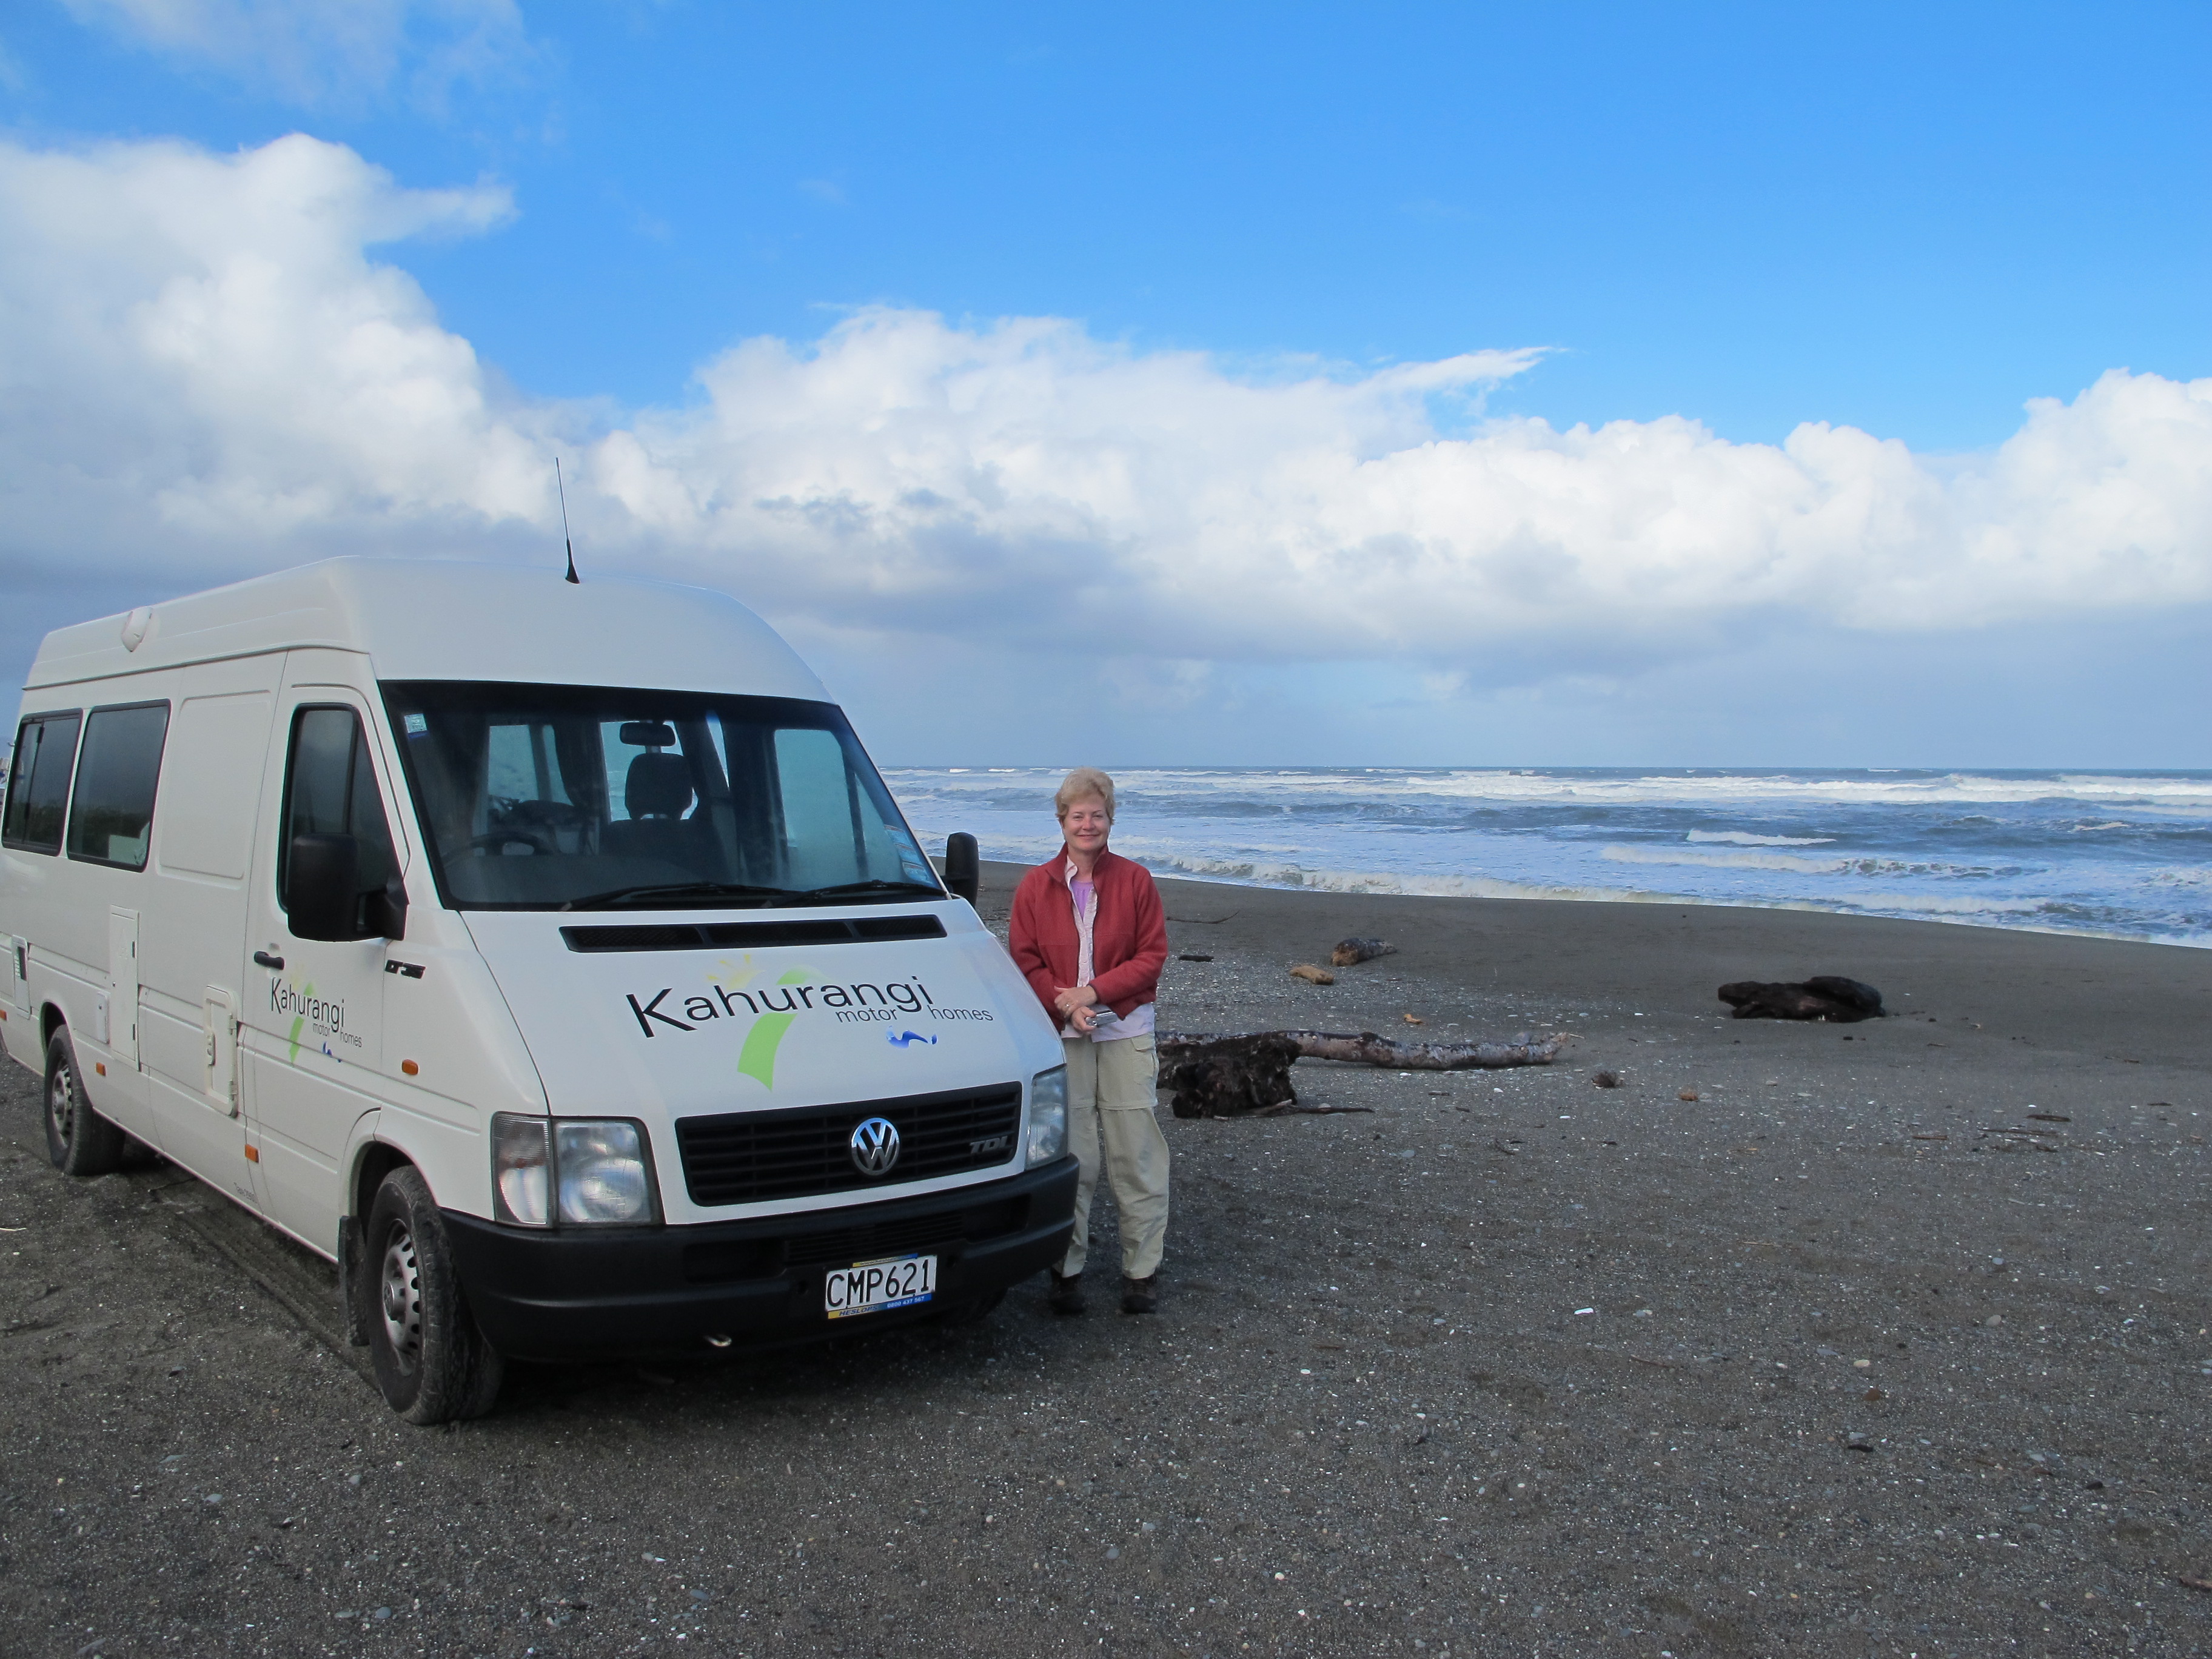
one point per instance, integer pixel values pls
(1892, 1341)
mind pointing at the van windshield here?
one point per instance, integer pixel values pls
(579, 797)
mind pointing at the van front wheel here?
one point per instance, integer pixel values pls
(80, 1141)
(431, 1361)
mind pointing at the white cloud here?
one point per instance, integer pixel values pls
(310, 50)
(196, 354)
(201, 370)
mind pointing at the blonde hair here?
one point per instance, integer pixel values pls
(1082, 781)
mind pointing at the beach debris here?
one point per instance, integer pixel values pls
(1685, 1094)
(1229, 1077)
(1605, 1080)
(1824, 997)
(1365, 1049)
(1246, 1074)
(1237, 1077)
(1192, 956)
(1351, 951)
(1412, 1019)
(2049, 1117)
(1313, 975)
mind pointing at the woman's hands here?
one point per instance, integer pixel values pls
(1075, 1004)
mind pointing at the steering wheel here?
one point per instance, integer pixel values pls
(536, 839)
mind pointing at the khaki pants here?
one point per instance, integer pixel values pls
(1110, 1101)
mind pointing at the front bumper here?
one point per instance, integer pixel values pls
(572, 1293)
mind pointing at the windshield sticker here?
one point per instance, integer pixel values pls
(740, 992)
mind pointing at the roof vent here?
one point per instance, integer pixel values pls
(137, 626)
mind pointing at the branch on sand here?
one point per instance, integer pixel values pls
(1365, 1049)
(1249, 1075)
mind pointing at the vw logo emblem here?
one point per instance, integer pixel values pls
(874, 1145)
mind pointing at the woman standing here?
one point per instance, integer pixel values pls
(1089, 933)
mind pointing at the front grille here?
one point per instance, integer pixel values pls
(750, 1158)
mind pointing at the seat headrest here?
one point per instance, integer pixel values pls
(659, 786)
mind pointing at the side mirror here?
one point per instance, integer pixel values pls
(385, 913)
(322, 887)
(963, 867)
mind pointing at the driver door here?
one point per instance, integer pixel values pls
(312, 1027)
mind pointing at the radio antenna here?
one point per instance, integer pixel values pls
(559, 484)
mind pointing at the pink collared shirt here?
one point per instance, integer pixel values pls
(1139, 1020)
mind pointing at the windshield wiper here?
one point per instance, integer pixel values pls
(675, 889)
(854, 889)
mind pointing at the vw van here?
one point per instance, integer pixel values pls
(550, 956)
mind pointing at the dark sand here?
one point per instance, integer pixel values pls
(1875, 1362)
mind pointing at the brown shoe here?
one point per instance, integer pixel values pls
(1141, 1296)
(1067, 1297)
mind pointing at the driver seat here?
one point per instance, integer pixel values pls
(656, 793)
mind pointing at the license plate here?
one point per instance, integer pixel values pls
(871, 1286)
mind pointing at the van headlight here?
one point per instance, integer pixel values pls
(591, 1172)
(1047, 1117)
(521, 1183)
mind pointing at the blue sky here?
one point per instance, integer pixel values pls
(1907, 221)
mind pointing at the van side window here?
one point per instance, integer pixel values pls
(112, 815)
(39, 782)
(329, 789)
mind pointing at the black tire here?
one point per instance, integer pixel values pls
(80, 1141)
(431, 1361)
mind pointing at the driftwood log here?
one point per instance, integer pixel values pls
(1824, 997)
(1229, 1077)
(1245, 1074)
(1365, 1049)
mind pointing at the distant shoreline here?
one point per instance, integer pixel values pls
(1556, 955)
(2105, 856)
(1655, 901)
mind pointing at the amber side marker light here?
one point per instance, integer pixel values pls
(409, 1067)
(101, 1066)
(253, 1155)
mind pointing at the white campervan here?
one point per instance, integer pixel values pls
(550, 956)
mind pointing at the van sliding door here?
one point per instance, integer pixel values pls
(192, 928)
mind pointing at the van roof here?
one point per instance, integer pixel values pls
(440, 619)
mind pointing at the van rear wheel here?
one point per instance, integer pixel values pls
(80, 1141)
(431, 1361)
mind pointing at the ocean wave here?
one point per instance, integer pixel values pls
(2038, 851)
(1244, 872)
(1741, 838)
(1744, 861)
(1929, 869)
(2189, 793)
(2187, 876)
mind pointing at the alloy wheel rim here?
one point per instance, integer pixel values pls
(399, 1298)
(61, 1103)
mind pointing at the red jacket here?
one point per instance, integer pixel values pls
(1129, 936)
